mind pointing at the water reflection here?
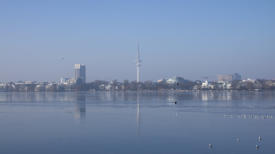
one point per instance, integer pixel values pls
(193, 99)
(126, 96)
(80, 106)
(123, 122)
(250, 116)
(138, 114)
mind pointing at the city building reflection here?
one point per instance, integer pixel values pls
(208, 100)
(80, 106)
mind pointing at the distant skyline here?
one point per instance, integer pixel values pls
(42, 40)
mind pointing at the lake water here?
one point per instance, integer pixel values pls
(136, 123)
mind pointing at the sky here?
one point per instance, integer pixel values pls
(42, 40)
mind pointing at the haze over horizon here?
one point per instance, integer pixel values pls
(42, 40)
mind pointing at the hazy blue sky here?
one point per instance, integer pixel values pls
(178, 38)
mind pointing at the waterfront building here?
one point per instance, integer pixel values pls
(161, 81)
(64, 80)
(67, 81)
(207, 85)
(175, 80)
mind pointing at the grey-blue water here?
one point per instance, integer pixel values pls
(136, 123)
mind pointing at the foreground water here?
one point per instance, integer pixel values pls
(144, 122)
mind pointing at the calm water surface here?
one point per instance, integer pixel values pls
(144, 122)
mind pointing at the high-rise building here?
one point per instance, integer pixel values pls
(229, 77)
(237, 76)
(225, 77)
(80, 73)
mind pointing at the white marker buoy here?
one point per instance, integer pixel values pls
(259, 138)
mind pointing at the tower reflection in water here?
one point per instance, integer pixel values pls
(138, 115)
(80, 106)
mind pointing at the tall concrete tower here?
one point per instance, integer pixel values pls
(138, 64)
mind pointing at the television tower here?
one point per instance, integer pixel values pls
(138, 64)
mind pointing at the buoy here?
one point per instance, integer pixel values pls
(257, 147)
(175, 102)
(210, 146)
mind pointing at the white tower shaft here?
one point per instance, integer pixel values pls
(138, 64)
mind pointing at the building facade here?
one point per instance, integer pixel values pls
(229, 77)
(80, 73)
